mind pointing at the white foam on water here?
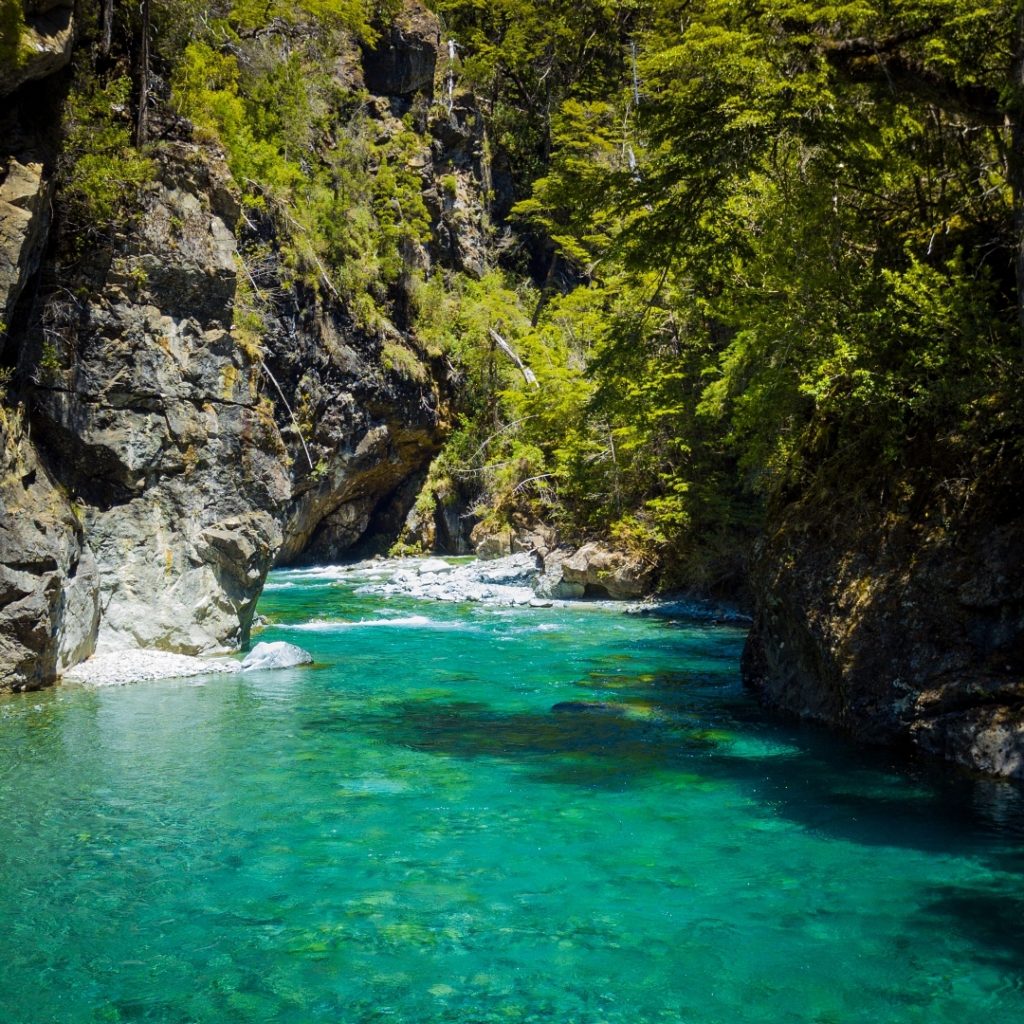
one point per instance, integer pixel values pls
(402, 622)
(328, 573)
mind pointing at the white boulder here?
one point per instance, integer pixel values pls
(275, 654)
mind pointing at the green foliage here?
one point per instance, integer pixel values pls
(570, 202)
(398, 358)
(347, 204)
(352, 15)
(524, 58)
(50, 362)
(207, 89)
(249, 314)
(103, 172)
(842, 226)
(12, 23)
(793, 233)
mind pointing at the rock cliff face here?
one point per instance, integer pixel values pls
(901, 619)
(154, 419)
(156, 459)
(49, 581)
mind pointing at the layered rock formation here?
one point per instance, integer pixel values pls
(158, 460)
(49, 580)
(901, 618)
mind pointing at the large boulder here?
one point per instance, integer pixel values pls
(602, 571)
(206, 602)
(552, 582)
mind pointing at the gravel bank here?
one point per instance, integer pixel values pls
(116, 668)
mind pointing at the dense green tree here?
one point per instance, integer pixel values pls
(803, 222)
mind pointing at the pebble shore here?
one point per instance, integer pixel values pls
(117, 668)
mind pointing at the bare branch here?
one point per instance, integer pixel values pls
(528, 374)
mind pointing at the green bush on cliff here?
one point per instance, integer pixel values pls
(102, 171)
(304, 151)
(12, 23)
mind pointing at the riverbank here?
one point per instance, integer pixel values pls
(518, 580)
(118, 668)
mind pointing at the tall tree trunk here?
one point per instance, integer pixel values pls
(143, 73)
(108, 26)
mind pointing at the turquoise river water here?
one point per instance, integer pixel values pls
(407, 831)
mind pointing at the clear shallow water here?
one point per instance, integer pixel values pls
(408, 832)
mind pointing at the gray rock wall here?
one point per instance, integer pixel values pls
(901, 620)
(49, 582)
(155, 418)
(44, 47)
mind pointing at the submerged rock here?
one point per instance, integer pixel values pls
(275, 654)
(587, 707)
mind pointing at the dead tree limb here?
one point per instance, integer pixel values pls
(528, 374)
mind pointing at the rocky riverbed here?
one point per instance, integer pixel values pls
(521, 579)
